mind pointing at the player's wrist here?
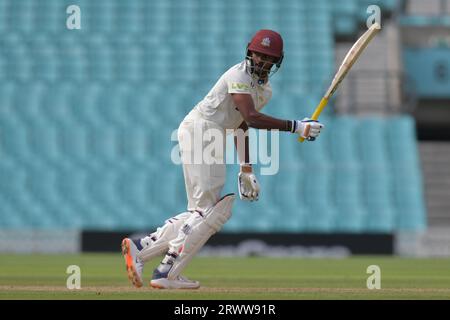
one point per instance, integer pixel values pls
(292, 125)
(246, 167)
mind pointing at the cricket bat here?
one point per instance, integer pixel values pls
(352, 55)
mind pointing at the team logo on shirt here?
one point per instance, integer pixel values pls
(265, 42)
(239, 86)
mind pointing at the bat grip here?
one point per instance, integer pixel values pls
(317, 113)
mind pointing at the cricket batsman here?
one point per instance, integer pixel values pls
(233, 103)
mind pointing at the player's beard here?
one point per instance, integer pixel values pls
(262, 71)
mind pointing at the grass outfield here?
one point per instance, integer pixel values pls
(103, 276)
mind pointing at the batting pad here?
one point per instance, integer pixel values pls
(196, 231)
(164, 235)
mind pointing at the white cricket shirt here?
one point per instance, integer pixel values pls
(218, 105)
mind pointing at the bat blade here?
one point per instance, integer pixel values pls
(350, 59)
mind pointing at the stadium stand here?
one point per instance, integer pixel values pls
(86, 118)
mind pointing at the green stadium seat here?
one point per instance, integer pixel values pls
(3, 16)
(401, 140)
(314, 153)
(320, 219)
(316, 185)
(371, 142)
(342, 141)
(350, 218)
(410, 218)
(380, 219)
(73, 60)
(281, 188)
(11, 217)
(376, 186)
(247, 217)
(346, 185)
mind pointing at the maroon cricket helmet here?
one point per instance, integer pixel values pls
(267, 42)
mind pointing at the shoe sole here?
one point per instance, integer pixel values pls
(167, 285)
(131, 270)
(156, 286)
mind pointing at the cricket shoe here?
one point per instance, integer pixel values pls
(180, 282)
(134, 265)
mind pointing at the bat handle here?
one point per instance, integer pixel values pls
(317, 113)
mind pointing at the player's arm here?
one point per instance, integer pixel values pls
(256, 119)
(248, 185)
(241, 143)
(307, 128)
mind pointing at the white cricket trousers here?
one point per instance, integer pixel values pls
(202, 145)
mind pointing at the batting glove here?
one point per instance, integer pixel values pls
(248, 186)
(307, 128)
